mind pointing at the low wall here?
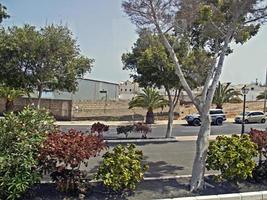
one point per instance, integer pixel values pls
(61, 109)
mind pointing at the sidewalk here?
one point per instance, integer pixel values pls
(119, 123)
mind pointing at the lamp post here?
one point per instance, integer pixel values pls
(244, 91)
(105, 92)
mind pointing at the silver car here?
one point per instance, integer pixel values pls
(251, 117)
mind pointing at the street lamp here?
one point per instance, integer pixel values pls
(105, 92)
(244, 91)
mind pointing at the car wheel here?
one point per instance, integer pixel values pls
(246, 121)
(263, 121)
(196, 122)
(219, 121)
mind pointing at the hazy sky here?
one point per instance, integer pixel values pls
(104, 32)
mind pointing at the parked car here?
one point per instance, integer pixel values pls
(217, 118)
(251, 117)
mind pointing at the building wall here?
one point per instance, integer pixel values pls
(89, 89)
(61, 109)
(127, 90)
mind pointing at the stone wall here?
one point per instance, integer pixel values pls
(61, 109)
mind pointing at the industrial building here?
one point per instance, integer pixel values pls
(91, 90)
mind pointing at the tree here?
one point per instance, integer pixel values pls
(3, 13)
(41, 60)
(10, 94)
(151, 66)
(210, 25)
(224, 94)
(149, 99)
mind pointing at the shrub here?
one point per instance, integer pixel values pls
(63, 153)
(122, 169)
(125, 130)
(232, 156)
(260, 138)
(99, 128)
(142, 128)
(21, 137)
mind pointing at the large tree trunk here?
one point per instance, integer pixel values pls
(40, 92)
(202, 145)
(170, 120)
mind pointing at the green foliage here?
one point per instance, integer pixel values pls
(149, 99)
(47, 59)
(122, 169)
(224, 94)
(152, 66)
(10, 94)
(3, 13)
(21, 137)
(232, 156)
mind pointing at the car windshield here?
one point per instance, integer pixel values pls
(246, 113)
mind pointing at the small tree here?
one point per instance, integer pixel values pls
(10, 94)
(150, 99)
(224, 94)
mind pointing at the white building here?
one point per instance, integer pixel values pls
(128, 89)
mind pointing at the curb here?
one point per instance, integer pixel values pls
(115, 141)
(261, 195)
(160, 140)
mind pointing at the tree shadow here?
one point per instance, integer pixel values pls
(161, 168)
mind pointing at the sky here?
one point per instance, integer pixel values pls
(104, 32)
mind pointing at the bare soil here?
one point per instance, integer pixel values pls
(120, 108)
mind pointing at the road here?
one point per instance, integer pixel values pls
(178, 130)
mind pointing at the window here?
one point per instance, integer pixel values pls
(121, 89)
(125, 90)
(130, 90)
(259, 113)
(214, 112)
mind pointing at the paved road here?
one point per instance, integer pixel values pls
(165, 159)
(179, 130)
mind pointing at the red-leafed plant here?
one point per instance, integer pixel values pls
(260, 138)
(63, 153)
(142, 128)
(99, 128)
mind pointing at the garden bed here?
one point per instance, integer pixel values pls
(149, 189)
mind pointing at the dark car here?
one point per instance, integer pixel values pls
(217, 118)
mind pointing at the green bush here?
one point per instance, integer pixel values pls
(232, 156)
(122, 169)
(21, 137)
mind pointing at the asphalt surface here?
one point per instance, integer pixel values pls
(178, 130)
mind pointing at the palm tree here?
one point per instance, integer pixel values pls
(224, 94)
(149, 99)
(262, 95)
(10, 94)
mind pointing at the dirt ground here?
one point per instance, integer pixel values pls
(120, 108)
